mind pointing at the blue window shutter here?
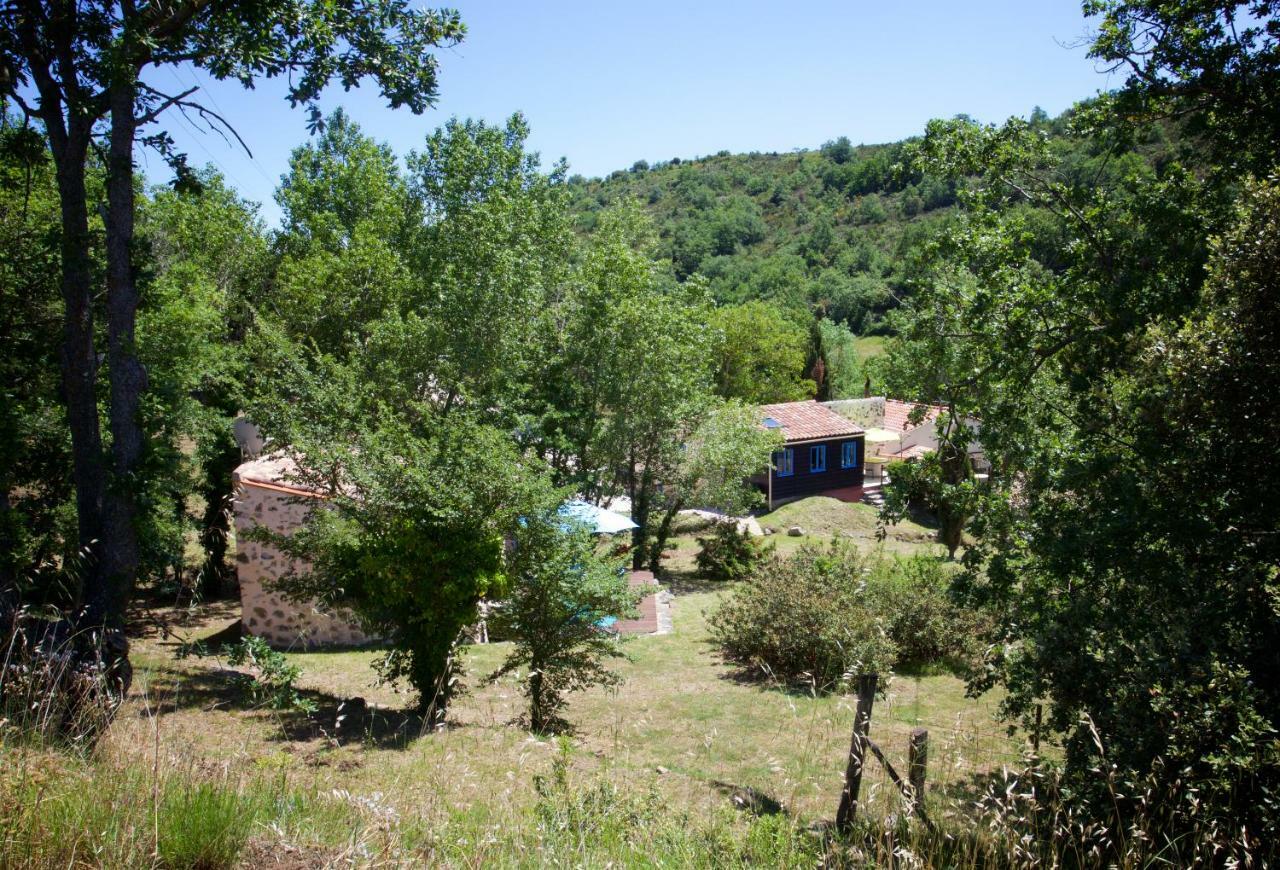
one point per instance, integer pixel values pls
(849, 454)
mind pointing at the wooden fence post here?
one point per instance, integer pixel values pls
(857, 752)
(917, 763)
(1035, 735)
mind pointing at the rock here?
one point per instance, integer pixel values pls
(769, 530)
(795, 531)
(661, 770)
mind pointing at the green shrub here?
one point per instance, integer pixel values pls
(925, 624)
(728, 552)
(806, 619)
(272, 681)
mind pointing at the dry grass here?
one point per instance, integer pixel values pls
(655, 774)
(681, 723)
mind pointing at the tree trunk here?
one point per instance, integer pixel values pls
(954, 462)
(128, 376)
(664, 532)
(640, 516)
(537, 715)
(79, 361)
(221, 458)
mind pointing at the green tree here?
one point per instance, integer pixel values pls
(411, 533)
(84, 69)
(407, 418)
(728, 447)
(629, 376)
(760, 355)
(492, 259)
(340, 182)
(208, 254)
(350, 226)
(35, 492)
(837, 347)
(559, 593)
(1135, 599)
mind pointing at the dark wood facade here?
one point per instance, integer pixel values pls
(805, 478)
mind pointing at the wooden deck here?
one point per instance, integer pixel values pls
(647, 623)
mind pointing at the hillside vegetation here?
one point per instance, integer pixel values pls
(837, 231)
(831, 229)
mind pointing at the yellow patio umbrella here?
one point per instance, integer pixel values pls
(876, 435)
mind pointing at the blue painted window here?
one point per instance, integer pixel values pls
(785, 462)
(818, 458)
(849, 454)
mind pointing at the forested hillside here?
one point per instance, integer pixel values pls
(806, 252)
(831, 229)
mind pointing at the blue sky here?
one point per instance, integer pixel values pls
(604, 84)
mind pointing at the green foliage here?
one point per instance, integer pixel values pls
(411, 535)
(37, 522)
(341, 182)
(1105, 310)
(760, 354)
(728, 553)
(940, 482)
(272, 682)
(628, 383)
(818, 231)
(559, 592)
(842, 371)
(714, 466)
(926, 624)
(808, 619)
(493, 256)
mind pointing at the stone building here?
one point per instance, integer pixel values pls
(265, 497)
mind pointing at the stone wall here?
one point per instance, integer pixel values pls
(264, 612)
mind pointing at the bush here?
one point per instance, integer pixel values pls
(806, 619)
(272, 681)
(563, 595)
(728, 552)
(926, 626)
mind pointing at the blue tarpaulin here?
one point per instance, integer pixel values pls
(596, 519)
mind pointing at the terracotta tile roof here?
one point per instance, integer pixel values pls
(897, 415)
(807, 421)
(273, 471)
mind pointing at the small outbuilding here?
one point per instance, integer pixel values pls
(267, 497)
(823, 454)
(898, 430)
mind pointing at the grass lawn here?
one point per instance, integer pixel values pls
(681, 724)
(867, 346)
(822, 518)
